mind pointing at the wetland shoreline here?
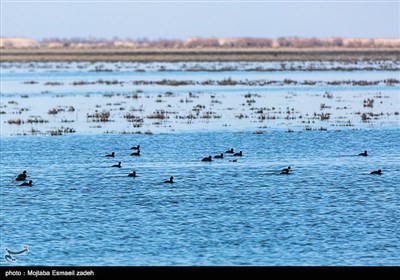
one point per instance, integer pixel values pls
(57, 98)
(175, 55)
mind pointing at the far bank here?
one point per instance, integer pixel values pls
(187, 54)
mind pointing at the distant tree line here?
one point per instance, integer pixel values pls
(203, 42)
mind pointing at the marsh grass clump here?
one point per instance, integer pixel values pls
(140, 109)
(61, 131)
(215, 101)
(36, 120)
(67, 121)
(15, 121)
(241, 116)
(391, 82)
(198, 108)
(100, 69)
(55, 132)
(68, 129)
(186, 100)
(53, 84)
(81, 83)
(99, 116)
(227, 82)
(33, 131)
(309, 83)
(250, 95)
(369, 103)
(190, 116)
(289, 82)
(108, 95)
(210, 115)
(106, 82)
(133, 96)
(250, 101)
(261, 117)
(322, 106)
(192, 95)
(174, 83)
(55, 111)
(365, 117)
(259, 132)
(334, 83)
(136, 120)
(365, 83)
(159, 114)
(52, 111)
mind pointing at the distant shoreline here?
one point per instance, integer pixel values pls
(187, 54)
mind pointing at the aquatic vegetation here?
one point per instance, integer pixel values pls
(36, 120)
(369, 103)
(15, 121)
(99, 116)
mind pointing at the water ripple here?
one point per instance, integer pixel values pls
(81, 211)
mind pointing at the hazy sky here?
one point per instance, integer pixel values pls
(182, 19)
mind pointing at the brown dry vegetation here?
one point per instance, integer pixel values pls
(200, 49)
(216, 54)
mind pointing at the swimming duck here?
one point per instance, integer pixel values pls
(27, 184)
(136, 148)
(111, 155)
(229, 151)
(170, 181)
(133, 174)
(136, 153)
(238, 154)
(378, 172)
(286, 169)
(21, 177)
(364, 154)
(117, 165)
(219, 156)
(209, 158)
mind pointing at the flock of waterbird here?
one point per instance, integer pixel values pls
(220, 156)
(171, 179)
(133, 174)
(285, 171)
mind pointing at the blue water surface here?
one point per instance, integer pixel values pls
(81, 211)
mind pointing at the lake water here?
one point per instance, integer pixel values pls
(81, 211)
(16, 77)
